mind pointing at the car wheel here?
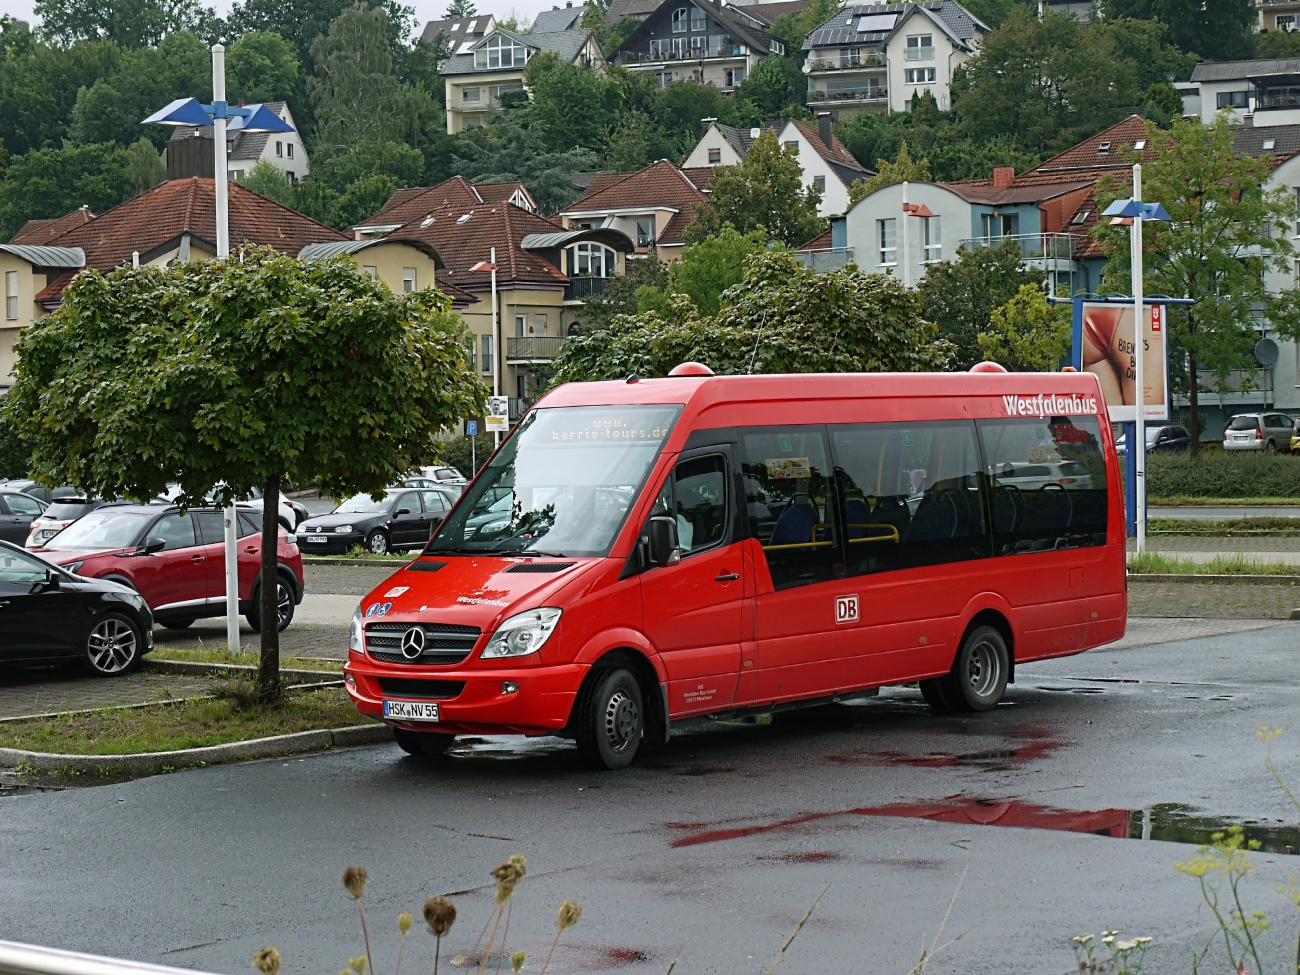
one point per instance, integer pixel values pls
(1270, 447)
(113, 646)
(377, 543)
(429, 744)
(933, 692)
(610, 718)
(979, 674)
(284, 606)
(177, 624)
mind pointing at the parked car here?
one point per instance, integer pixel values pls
(40, 491)
(58, 516)
(1295, 436)
(1269, 432)
(177, 560)
(1165, 438)
(438, 473)
(51, 615)
(291, 513)
(17, 512)
(402, 519)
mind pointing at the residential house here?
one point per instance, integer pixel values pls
(189, 150)
(1278, 14)
(878, 57)
(557, 19)
(1265, 93)
(1082, 10)
(823, 159)
(483, 70)
(629, 9)
(457, 35)
(176, 221)
(544, 274)
(700, 41)
(418, 201)
(652, 207)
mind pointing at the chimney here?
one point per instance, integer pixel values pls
(824, 129)
(1003, 176)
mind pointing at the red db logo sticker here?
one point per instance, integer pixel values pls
(846, 609)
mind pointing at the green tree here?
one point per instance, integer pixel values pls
(249, 373)
(460, 8)
(300, 22)
(960, 295)
(1277, 44)
(144, 169)
(270, 181)
(1221, 247)
(51, 182)
(575, 105)
(263, 67)
(901, 170)
(781, 317)
(131, 23)
(503, 150)
(713, 265)
(767, 191)
(370, 157)
(363, 198)
(1219, 31)
(620, 296)
(773, 86)
(14, 451)
(1027, 334)
(637, 142)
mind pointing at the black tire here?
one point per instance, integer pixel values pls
(609, 719)
(429, 744)
(178, 624)
(284, 596)
(933, 692)
(377, 542)
(979, 674)
(113, 646)
(1270, 447)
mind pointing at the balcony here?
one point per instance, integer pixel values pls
(826, 260)
(920, 54)
(667, 57)
(1037, 249)
(837, 63)
(533, 348)
(864, 96)
(582, 288)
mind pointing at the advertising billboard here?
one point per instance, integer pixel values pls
(1108, 352)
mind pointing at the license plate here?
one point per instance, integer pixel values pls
(411, 710)
(316, 539)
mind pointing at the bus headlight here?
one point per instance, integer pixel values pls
(357, 639)
(522, 634)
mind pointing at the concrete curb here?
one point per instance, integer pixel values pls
(326, 560)
(148, 763)
(1218, 580)
(197, 668)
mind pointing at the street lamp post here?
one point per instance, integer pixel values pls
(253, 118)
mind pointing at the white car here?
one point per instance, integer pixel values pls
(448, 474)
(1031, 477)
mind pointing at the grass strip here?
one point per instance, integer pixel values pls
(186, 724)
(1231, 526)
(1234, 565)
(1193, 501)
(220, 655)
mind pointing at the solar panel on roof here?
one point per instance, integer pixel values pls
(877, 22)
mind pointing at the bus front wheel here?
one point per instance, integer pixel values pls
(609, 719)
(979, 674)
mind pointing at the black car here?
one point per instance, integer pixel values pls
(49, 615)
(402, 519)
(17, 512)
(39, 491)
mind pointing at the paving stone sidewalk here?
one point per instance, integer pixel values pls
(50, 690)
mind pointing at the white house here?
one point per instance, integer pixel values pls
(189, 150)
(1265, 92)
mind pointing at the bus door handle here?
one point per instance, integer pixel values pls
(727, 577)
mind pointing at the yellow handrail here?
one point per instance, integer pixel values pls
(891, 534)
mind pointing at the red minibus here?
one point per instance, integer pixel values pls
(639, 554)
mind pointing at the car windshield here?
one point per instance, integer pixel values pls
(363, 504)
(1244, 423)
(60, 510)
(562, 484)
(104, 528)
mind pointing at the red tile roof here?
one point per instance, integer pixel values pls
(42, 232)
(418, 201)
(500, 192)
(52, 294)
(822, 242)
(465, 236)
(838, 153)
(1120, 142)
(659, 184)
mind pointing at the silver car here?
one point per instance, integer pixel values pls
(1269, 432)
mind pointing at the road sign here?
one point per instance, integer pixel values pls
(498, 418)
(471, 428)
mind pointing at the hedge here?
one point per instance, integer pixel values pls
(1224, 474)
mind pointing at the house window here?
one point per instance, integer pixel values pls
(665, 78)
(469, 95)
(496, 91)
(997, 225)
(591, 260)
(719, 45)
(888, 241)
(486, 357)
(820, 183)
(715, 157)
(734, 77)
(699, 45)
(681, 19)
(933, 243)
(1286, 22)
(539, 321)
(919, 76)
(697, 19)
(371, 270)
(473, 121)
(408, 279)
(1230, 99)
(279, 148)
(235, 174)
(521, 322)
(645, 232)
(11, 295)
(291, 176)
(681, 47)
(501, 52)
(288, 148)
(469, 353)
(792, 145)
(920, 47)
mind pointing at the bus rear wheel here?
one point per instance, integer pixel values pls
(979, 674)
(609, 719)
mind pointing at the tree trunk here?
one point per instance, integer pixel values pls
(268, 671)
(1194, 407)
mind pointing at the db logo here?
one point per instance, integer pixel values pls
(1157, 317)
(846, 609)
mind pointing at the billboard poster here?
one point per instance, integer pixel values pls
(1109, 353)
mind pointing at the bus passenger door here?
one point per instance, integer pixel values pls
(694, 609)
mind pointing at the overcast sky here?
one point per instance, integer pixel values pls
(426, 10)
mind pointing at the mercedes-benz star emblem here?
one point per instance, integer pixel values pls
(413, 643)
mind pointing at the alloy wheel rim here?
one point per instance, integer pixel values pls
(282, 602)
(984, 669)
(111, 646)
(621, 719)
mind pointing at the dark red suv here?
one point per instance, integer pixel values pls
(176, 560)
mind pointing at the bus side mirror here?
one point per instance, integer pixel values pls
(664, 547)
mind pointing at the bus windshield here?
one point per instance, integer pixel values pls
(561, 485)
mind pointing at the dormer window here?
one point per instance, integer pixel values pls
(1140, 144)
(1080, 218)
(1268, 145)
(1103, 149)
(500, 51)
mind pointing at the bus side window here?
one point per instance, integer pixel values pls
(912, 494)
(789, 499)
(1047, 483)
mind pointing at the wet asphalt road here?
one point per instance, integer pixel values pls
(713, 848)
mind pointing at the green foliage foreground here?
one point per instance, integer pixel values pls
(1223, 474)
(782, 317)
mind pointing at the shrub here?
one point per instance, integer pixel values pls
(1224, 474)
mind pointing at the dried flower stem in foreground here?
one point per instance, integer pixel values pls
(440, 915)
(354, 879)
(569, 914)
